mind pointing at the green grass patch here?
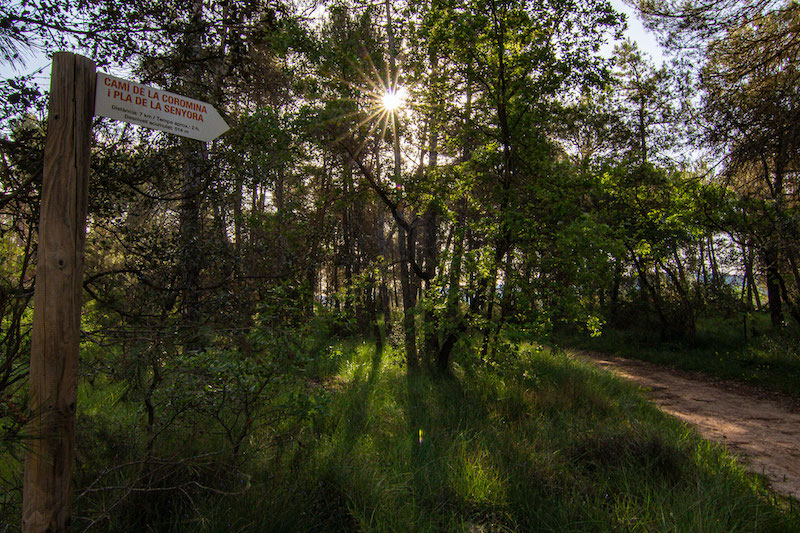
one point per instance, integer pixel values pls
(535, 442)
(540, 442)
(766, 358)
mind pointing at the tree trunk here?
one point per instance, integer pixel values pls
(431, 259)
(452, 325)
(384, 291)
(614, 300)
(773, 287)
(191, 235)
(505, 301)
(751, 283)
(406, 285)
(487, 330)
(688, 315)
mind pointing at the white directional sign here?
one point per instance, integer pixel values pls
(156, 109)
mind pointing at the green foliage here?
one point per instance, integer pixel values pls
(197, 431)
(738, 348)
(540, 442)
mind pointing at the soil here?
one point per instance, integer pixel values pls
(761, 428)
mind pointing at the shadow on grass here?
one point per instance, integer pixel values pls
(360, 392)
(539, 443)
(771, 360)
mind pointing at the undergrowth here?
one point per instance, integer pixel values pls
(766, 358)
(539, 442)
(536, 441)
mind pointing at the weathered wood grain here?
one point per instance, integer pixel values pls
(47, 491)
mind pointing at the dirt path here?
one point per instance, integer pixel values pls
(762, 428)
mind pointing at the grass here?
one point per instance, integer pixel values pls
(769, 360)
(539, 443)
(536, 442)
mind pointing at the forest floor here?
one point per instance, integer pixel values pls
(762, 428)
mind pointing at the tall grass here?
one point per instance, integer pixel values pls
(539, 442)
(765, 358)
(534, 442)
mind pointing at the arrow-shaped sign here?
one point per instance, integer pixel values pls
(156, 109)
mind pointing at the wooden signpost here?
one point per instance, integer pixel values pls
(55, 338)
(47, 491)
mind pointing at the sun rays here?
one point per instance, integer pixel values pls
(379, 99)
(394, 99)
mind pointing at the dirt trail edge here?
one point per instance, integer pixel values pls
(761, 428)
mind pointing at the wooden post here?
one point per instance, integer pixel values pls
(47, 492)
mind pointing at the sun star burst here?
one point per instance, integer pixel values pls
(393, 99)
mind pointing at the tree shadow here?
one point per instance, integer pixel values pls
(494, 451)
(360, 392)
(448, 425)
